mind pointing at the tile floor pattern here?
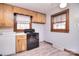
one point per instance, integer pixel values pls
(44, 49)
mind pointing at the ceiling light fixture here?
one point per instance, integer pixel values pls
(63, 5)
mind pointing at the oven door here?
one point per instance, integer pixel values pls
(32, 40)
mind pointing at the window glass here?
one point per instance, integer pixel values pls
(23, 22)
(60, 21)
(63, 17)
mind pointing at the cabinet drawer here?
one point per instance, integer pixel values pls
(21, 37)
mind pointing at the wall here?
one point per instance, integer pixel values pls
(65, 40)
(40, 29)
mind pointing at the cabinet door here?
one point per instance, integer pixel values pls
(34, 18)
(8, 15)
(18, 10)
(39, 18)
(22, 11)
(43, 18)
(1, 15)
(18, 45)
(23, 44)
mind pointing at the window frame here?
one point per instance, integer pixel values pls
(66, 30)
(15, 23)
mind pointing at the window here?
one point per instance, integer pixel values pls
(22, 22)
(60, 21)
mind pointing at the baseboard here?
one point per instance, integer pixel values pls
(54, 44)
(58, 47)
(48, 42)
(61, 48)
(10, 54)
(77, 54)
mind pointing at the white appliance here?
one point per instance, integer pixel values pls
(7, 43)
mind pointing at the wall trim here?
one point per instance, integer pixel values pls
(48, 42)
(54, 44)
(64, 49)
(76, 54)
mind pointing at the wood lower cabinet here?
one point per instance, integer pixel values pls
(21, 43)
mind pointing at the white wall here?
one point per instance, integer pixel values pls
(39, 28)
(65, 40)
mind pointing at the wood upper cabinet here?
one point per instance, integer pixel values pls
(1, 15)
(22, 11)
(43, 18)
(19, 10)
(36, 16)
(6, 16)
(39, 18)
(21, 43)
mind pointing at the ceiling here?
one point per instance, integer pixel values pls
(40, 7)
